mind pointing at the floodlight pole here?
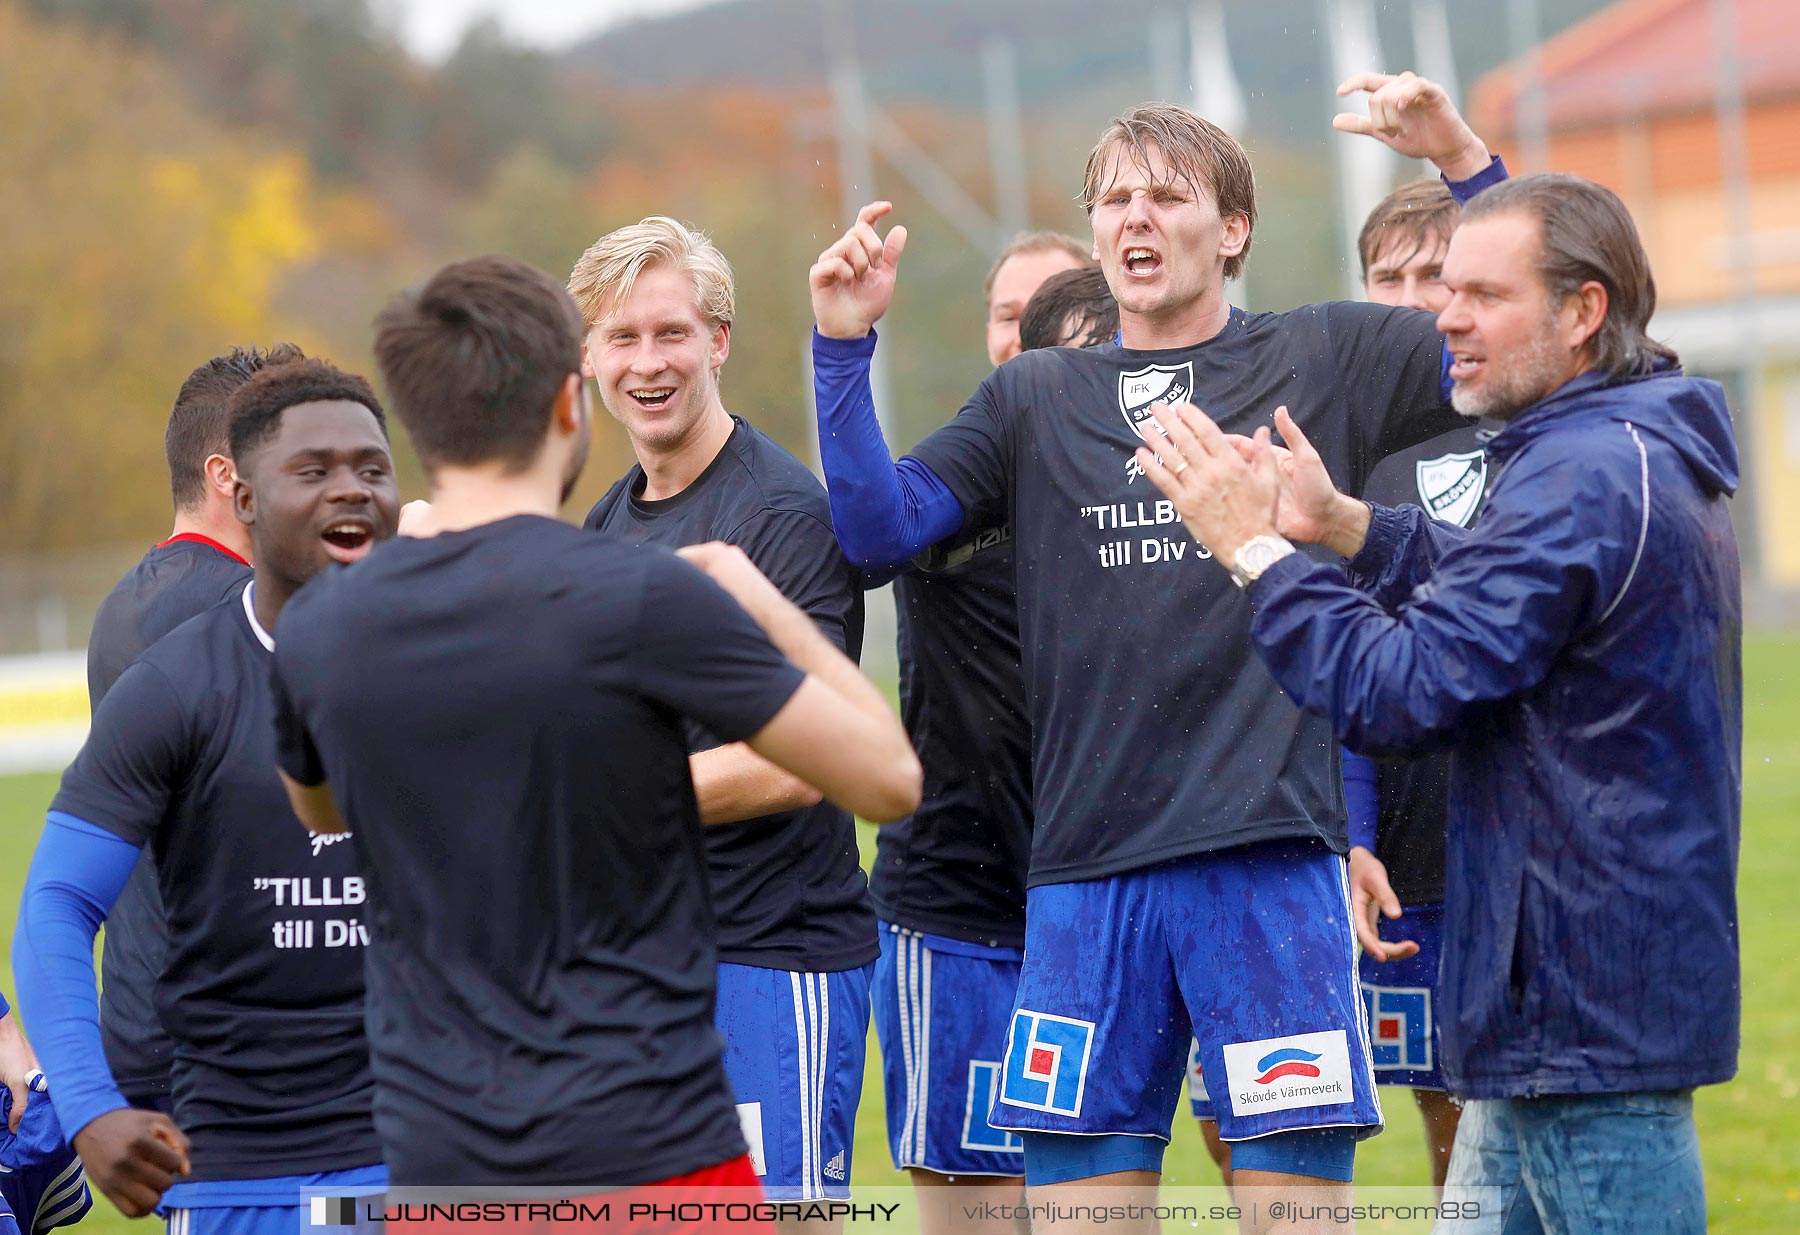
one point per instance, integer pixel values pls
(1734, 161)
(1006, 139)
(856, 165)
(1364, 166)
(1526, 29)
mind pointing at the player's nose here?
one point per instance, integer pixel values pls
(647, 359)
(1454, 318)
(350, 486)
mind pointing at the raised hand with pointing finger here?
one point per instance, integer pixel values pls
(853, 280)
(1416, 118)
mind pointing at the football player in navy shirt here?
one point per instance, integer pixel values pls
(262, 992)
(206, 556)
(796, 931)
(508, 733)
(949, 882)
(1398, 805)
(1188, 819)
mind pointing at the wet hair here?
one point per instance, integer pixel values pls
(1072, 308)
(1194, 148)
(200, 422)
(1586, 235)
(474, 358)
(1414, 213)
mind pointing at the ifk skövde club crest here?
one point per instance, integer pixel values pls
(1450, 486)
(1143, 391)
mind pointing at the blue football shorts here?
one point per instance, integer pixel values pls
(942, 1008)
(1400, 998)
(794, 1050)
(1199, 1100)
(339, 1201)
(1246, 952)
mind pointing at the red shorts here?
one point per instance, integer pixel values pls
(723, 1199)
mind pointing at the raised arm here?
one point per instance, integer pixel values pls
(883, 512)
(1415, 117)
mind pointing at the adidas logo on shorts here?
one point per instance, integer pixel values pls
(834, 1169)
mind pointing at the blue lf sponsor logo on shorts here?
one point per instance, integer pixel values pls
(1046, 1062)
(980, 1135)
(977, 1132)
(1399, 1027)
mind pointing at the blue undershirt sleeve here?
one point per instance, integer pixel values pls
(1463, 191)
(1362, 801)
(883, 512)
(1486, 178)
(76, 875)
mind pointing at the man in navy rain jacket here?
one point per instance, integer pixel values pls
(1579, 650)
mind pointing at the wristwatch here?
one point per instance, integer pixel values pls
(1255, 556)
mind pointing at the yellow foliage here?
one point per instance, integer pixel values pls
(141, 239)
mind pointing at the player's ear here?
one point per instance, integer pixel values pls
(721, 345)
(221, 476)
(568, 408)
(1235, 235)
(243, 501)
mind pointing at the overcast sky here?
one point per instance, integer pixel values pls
(431, 28)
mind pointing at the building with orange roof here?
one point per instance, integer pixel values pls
(1639, 98)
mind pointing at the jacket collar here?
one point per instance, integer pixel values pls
(1553, 406)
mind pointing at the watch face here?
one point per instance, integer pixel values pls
(1256, 557)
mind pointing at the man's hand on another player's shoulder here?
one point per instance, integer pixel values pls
(133, 1156)
(853, 281)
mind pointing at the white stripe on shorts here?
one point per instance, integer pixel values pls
(804, 1054)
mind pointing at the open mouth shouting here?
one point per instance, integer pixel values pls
(348, 538)
(1142, 261)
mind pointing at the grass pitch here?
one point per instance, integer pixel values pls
(1749, 1129)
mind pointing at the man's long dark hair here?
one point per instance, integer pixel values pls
(1587, 235)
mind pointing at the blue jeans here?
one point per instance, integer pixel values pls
(1589, 1164)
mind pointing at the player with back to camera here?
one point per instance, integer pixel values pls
(796, 932)
(262, 992)
(507, 736)
(1183, 838)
